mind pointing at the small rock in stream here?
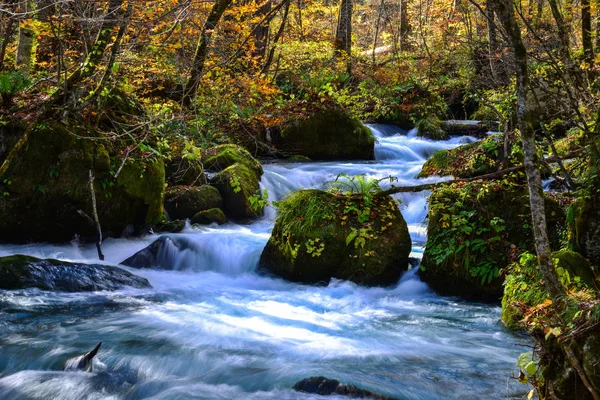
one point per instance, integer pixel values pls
(325, 387)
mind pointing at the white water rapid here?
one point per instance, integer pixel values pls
(214, 329)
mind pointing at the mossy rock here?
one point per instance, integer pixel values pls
(49, 184)
(476, 230)
(24, 272)
(239, 185)
(184, 171)
(584, 234)
(559, 374)
(208, 217)
(470, 160)
(183, 202)
(524, 287)
(326, 135)
(220, 157)
(299, 159)
(170, 226)
(317, 236)
(456, 127)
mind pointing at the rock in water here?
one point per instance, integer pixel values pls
(319, 235)
(325, 387)
(84, 362)
(23, 272)
(176, 252)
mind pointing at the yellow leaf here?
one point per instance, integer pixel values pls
(530, 394)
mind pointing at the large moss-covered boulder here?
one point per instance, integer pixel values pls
(319, 235)
(584, 232)
(183, 202)
(240, 189)
(47, 183)
(220, 157)
(24, 272)
(325, 135)
(473, 159)
(184, 171)
(475, 230)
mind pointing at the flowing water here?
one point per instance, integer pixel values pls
(214, 329)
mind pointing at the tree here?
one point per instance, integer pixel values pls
(202, 49)
(343, 34)
(25, 46)
(505, 11)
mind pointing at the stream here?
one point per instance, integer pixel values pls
(214, 329)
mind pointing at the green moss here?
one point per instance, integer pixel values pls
(299, 159)
(524, 287)
(223, 156)
(477, 229)
(170, 226)
(209, 216)
(327, 135)
(146, 182)
(319, 235)
(185, 201)
(584, 230)
(237, 184)
(184, 171)
(471, 160)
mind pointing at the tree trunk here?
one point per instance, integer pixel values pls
(505, 12)
(25, 46)
(276, 39)
(492, 36)
(586, 32)
(343, 34)
(404, 28)
(202, 49)
(261, 33)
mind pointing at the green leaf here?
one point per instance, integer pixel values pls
(351, 237)
(531, 368)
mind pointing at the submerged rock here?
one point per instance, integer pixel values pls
(174, 252)
(474, 231)
(24, 272)
(170, 226)
(325, 387)
(326, 135)
(319, 236)
(183, 202)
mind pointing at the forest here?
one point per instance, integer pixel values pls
(286, 199)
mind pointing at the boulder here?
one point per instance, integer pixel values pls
(208, 217)
(185, 171)
(475, 230)
(319, 235)
(220, 157)
(325, 135)
(24, 272)
(170, 226)
(174, 252)
(183, 202)
(47, 182)
(584, 232)
(470, 160)
(326, 387)
(240, 189)
(455, 127)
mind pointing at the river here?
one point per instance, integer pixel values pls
(214, 329)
